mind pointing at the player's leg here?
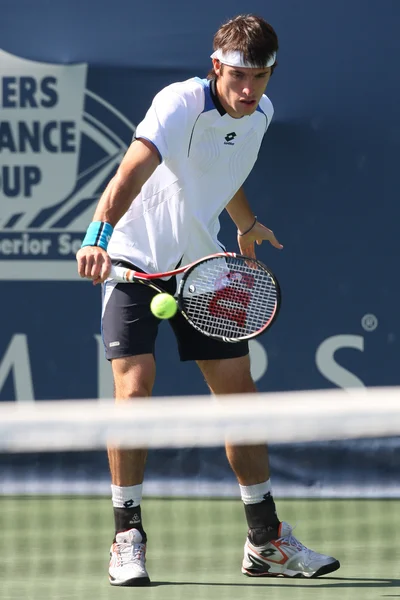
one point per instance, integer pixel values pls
(133, 377)
(270, 548)
(249, 462)
(129, 333)
(232, 376)
(226, 369)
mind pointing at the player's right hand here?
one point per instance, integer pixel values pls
(93, 263)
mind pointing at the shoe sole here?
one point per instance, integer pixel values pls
(333, 566)
(134, 582)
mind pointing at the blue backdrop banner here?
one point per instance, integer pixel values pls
(74, 84)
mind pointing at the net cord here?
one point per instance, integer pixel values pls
(203, 421)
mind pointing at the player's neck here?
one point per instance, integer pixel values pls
(227, 108)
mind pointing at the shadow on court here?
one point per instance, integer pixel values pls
(326, 582)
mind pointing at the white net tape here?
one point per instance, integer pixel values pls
(202, 421)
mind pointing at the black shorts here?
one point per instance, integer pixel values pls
(129, 328)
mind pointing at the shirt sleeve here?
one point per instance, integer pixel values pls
(165, 123)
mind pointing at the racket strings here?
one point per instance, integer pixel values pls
(229, 297)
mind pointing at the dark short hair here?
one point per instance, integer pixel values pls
(249, 34)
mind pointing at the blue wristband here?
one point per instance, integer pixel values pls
(98, 234)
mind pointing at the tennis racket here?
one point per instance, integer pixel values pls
(225, 296)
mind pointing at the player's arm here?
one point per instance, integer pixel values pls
(138, 164)
(249, 229)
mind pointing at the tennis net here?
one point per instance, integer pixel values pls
(334, 455)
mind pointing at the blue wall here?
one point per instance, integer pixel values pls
(326, 182)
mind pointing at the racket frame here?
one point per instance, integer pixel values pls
(126, 275)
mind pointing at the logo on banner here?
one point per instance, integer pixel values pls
(59, 145)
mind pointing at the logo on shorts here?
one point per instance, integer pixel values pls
(59, 145)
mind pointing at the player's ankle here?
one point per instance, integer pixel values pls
(128, 518)
(259, 536)
(262, 515)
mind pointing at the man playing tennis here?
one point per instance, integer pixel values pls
(193, 151)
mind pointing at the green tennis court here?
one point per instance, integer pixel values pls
(56, 548)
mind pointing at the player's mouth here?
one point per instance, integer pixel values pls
(248, 102)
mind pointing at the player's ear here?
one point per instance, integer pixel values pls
(217, 67)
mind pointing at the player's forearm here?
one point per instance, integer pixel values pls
(240, 211)
(115, 200)
(137, 166)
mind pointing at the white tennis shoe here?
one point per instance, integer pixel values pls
(128, 559)
(285, 557)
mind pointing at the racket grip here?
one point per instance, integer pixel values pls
(121, 274)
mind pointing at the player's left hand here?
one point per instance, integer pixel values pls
(258, 234)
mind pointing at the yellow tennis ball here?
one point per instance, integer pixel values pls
(163, 306)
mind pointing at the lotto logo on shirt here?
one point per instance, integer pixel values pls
(229, 139)
(58, 148)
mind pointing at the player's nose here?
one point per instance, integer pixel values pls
(247, 90)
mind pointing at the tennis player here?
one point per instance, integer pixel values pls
(192, 153)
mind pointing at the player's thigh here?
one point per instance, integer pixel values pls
(228, 375)
(128, 326)
(193, 345)
(133, 376)
(129, 332)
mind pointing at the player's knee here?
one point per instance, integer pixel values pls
(133, 385)
(133, 377)
(232, 376)
(241, 383)
(126, 390)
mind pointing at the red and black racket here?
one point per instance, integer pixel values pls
(225, 296)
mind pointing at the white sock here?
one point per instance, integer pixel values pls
(126, 496)
(253, 494)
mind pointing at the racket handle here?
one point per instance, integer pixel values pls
(121, 274)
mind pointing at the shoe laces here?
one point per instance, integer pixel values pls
(291, 540)
(138, 552)
(128, 553)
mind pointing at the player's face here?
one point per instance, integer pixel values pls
(240, 89)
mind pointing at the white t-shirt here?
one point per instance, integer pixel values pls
(206, 157)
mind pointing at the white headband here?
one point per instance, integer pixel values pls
(235, 59)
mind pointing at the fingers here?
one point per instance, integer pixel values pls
(93, 263)
(246, 248)
(273, 241)
(258, 234)
(271, 238)
(262, 233)
(104, 271)
(248, 251)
